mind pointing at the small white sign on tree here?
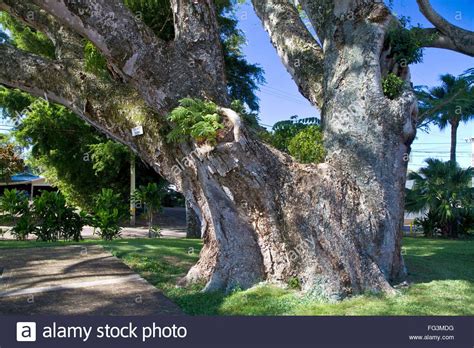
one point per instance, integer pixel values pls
(137, 131)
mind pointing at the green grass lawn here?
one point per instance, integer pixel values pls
(442, 273)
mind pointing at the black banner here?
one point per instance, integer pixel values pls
(92, 331)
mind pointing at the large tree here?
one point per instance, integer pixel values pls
(334, 225)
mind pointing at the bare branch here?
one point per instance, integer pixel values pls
(297, 48)
(450, 36)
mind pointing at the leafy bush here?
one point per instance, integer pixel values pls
(197, 119)
(14, 204)
(49, 218)
(24, 226)
(108, 212)
(284, 131)
(392, 86)
(307, 146)
(301, 138)
(55, 220)
(428, 224)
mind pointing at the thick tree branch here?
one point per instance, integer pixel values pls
(197, 39)
(68, 44)
(450, 36)
(299, 51)
(317, 12)
(31, 16)
(130, 47)
(432, 37)
(111, 107)
(162, 72)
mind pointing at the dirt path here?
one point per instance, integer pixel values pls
(75, 280)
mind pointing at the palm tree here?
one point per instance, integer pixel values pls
(443, 191)
(449, 104)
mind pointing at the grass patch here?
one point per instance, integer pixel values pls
(442, 273)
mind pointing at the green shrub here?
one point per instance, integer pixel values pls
(14, 204)
(195, 119)
(24, 226)
(307, 146)
(49, 218)
(54, 219)
(392, 86)
(108, 212)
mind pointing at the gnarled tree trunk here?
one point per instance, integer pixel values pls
(334, 226)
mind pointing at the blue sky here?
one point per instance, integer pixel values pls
(280, 99)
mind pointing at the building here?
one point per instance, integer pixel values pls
(33, 184)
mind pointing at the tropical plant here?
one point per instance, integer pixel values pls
(14, 204)
(442, 190)
(151, 196)
(197, 119)
(107, 213)
(54, 219)
(392, 86)
(25, 225)
(406, 46)
(448, 104)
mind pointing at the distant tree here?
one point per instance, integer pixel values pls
(307, 146)
(301, 138)
(150, 197)
(10, 161)
(443, 191)
(448, 104)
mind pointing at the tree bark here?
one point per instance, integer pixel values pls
(454, 136)
(336, 226)
(193, 225)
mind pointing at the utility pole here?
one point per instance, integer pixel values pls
(132, 189)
